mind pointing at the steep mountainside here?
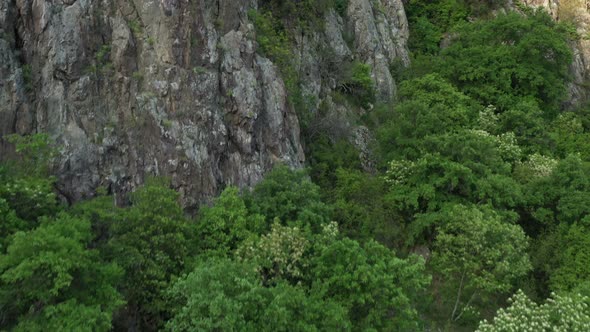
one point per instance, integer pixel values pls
(430, 156)
(183, 89)
(174, 88)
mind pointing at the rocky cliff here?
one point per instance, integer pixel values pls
(130, 88)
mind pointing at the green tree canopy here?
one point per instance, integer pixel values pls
(229, 296)
(562, 196)
(477, 254)
(509, 57)
(428, 106)
(377, 289)
(25, 183)
(152, 241)
(289, 196)
(467, 167)
(227, 223)
(49, 280)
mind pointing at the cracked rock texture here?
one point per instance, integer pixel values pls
(176, 88)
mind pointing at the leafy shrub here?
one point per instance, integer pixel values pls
(224, 295)
(429, 20)
(291, 197)
(509, 58)
(50, 280)
(28, 76)
(357, 82)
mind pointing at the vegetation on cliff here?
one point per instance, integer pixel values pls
(476, 214)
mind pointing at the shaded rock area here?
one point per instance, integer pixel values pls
(176, 88)
(372, 32)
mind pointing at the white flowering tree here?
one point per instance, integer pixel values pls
(567, 313)
(278, 254)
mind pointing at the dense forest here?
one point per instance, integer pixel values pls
(474, 214)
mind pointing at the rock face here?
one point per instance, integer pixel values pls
(374, 32)
(131, 88)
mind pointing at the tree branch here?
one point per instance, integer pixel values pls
(458, 295)
(466, 305)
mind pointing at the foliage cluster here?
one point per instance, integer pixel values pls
(480, 169)
(101, 62)
(509, 60)
(431, 21)
(259, 260)
(356, 81)
(304, 14)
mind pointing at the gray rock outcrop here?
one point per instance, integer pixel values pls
(176, 88)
